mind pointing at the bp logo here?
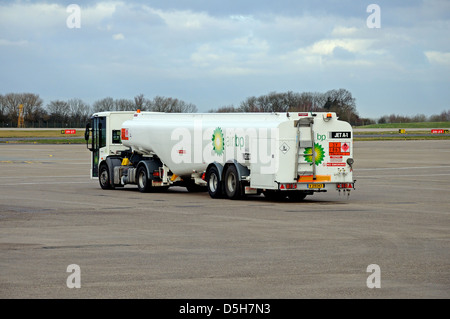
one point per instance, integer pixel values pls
(320, 154)
(217, 141)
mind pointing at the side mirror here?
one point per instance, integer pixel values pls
(86, 135)
(86, 132)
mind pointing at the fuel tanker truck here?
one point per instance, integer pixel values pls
(229, 155)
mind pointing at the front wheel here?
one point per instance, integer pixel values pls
(103, 177)
(143, 183)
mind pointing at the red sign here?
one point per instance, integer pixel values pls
(124, 134)
(335, 164)
(435, 131)
(338, 148)
(69, 131)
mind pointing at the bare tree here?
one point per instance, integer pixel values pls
(443, 117)
(342, 102)
(171, 105)
(32, 105)
(225, 109)
(79, 111)
(59, 111)
(106, 104)
(3, 113)
(250, 105)
(140, 102)
(124, 105)
(11, 103)
(419, 118)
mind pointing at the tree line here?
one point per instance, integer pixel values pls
(75, 112)
(444, 116)
(340, 101)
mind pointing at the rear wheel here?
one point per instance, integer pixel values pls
(233, 186)
(214, 185)
(143, 183)
(103, 177)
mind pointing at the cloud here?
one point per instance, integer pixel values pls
(342, 53)
(439, 58)
(5, 42)
(94, 15)
(183, 19)
(235, 56)
(340, 31)
(21, 17)
(327, 46)
(118, 36)
(41, 20)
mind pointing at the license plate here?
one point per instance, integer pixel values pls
(316, 186)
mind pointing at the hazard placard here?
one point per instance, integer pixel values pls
(345, 147)
(339, 148)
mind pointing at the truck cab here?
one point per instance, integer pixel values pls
(103, 137)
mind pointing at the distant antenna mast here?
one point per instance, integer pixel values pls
(20, 121)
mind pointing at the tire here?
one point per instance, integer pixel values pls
(297, 196)
(233, 186)
(214, 184)
(143, 183)
(275, 195)
(104, 178)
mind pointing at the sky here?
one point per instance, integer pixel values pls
(392, 55)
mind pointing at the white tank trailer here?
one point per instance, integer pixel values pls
(227, 154)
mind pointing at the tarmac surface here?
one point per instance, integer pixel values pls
(187, 245)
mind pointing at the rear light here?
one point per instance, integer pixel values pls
(288, 186)
(204, 176)
(344, 185)
(156, 174)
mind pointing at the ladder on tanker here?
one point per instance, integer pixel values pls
(305, 164)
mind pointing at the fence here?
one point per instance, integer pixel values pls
(42, 124)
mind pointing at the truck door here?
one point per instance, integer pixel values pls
(98, 129)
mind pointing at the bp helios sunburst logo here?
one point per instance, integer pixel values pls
(218, 141)
(320, 154)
